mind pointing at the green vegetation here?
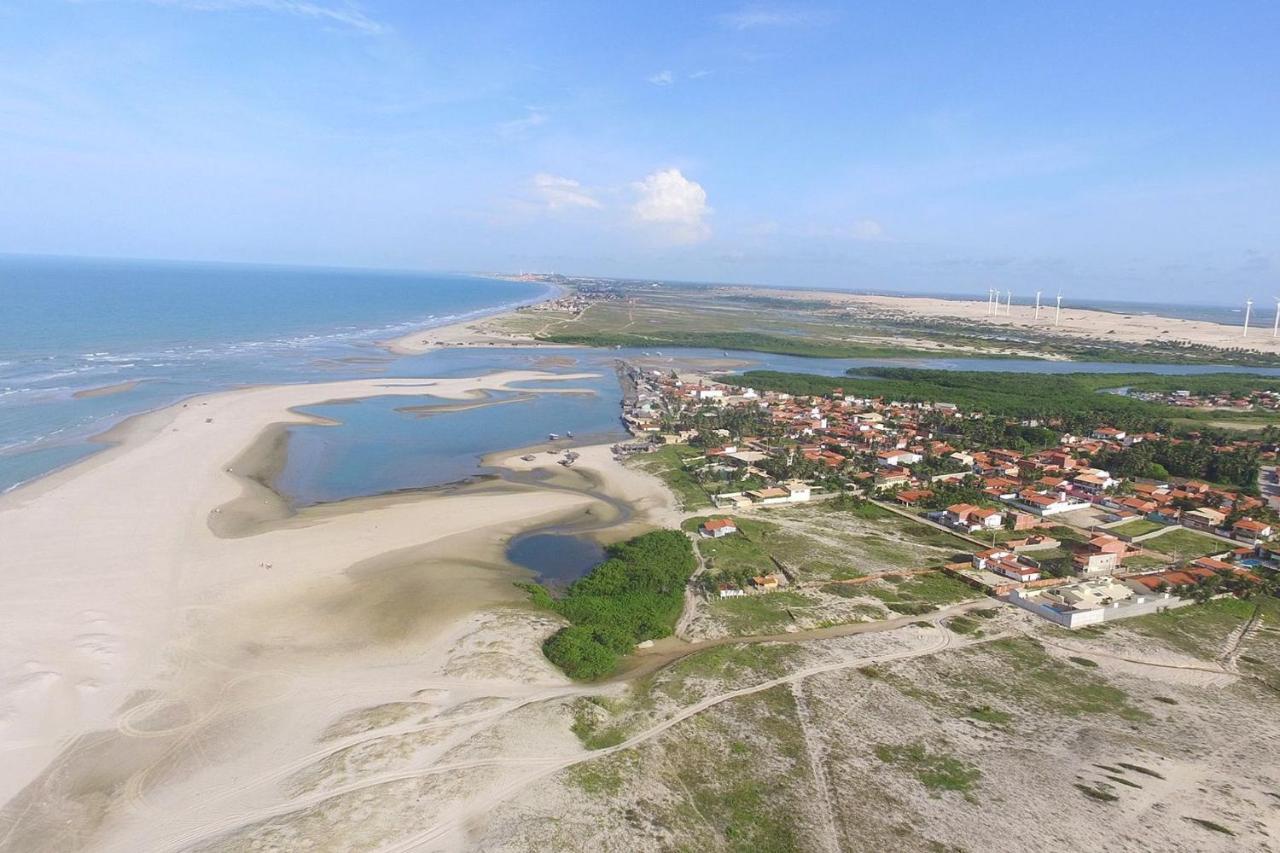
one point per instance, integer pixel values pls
(634, 595)
(919, 594)
(936, 771)
(727, 667)
(1186, 544)
(603, 776)
(767, 613)
(1026, 673)
(987, 714)
(667, 463)
(1202, 630)
(965, 625)
(742, 341)
(739, 556)
(1085, 662)
(1137, 527)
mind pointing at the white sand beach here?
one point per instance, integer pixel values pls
(158, 680)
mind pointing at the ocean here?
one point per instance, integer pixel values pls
(69, 326)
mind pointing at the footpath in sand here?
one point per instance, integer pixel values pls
(153, 670)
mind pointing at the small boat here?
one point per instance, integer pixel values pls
(553, 436)
(569, 434)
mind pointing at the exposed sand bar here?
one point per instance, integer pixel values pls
(158, 661)
(107, 390)
(1103, 326)
(477, 331)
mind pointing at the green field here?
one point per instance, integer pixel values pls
(737, 555)
(667, 463)
(920, 594)
(1137, 527)
(1185, 544)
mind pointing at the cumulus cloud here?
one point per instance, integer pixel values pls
(673, 206)
(342, 13)
(558, 193)
(663, 78)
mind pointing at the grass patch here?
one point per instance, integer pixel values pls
(1136, 527)
(668, 464)
(758, 614)
(1026, 673)
(987, 714)
(1085, 662)
(935, 770)
(1186, 544)
(965, 625)
(919, 594)
(1123, 781)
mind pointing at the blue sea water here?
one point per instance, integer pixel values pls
(179, 329)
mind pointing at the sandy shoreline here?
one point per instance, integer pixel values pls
(1085, 324)
(164, 665)
(476, 331)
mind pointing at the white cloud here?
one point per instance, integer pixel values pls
(558, 193)
(866, 229)
(663, 78)
(674, 205)
(346, 14)
(755, 17)
(519, 126)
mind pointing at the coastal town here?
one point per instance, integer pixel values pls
(1047, 529)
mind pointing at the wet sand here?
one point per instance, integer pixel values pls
(175, 634)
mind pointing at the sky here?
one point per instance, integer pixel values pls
(1121, 150)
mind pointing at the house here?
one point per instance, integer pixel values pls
(1203, 518)
(716, 528)
(896, 458)
(1007, 563)
(910, 497)
(1093, 601)
(730, 591)
(969, 517)
(797, 491)
(1045, 504)
(1101, 555)
(1248, 530)
(769, 496)
(765, 583)
(889, 477)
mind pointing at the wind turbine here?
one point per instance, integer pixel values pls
(1275, 330)
(1248, 307)
(1038, 305)
(1057, 315)
(991, 296)
(1008, 302)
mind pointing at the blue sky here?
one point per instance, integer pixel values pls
(1123, 150)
